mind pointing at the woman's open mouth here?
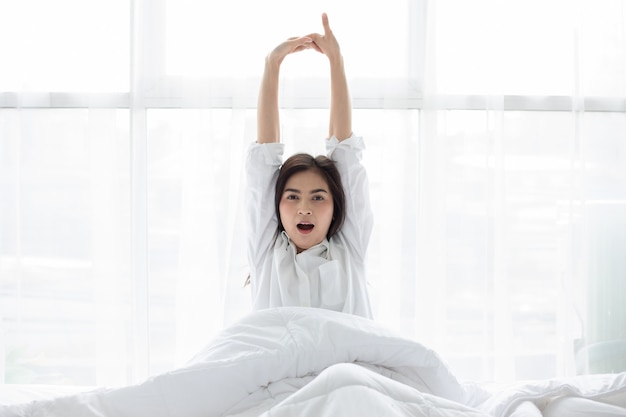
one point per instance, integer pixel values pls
(305, 228)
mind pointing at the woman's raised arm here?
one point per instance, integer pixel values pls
(268, 123)
(340, 124)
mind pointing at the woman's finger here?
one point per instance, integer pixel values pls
(327, 30)
(298, 43)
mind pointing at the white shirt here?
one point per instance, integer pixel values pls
(330, 275)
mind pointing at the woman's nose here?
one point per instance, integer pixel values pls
(304, 209)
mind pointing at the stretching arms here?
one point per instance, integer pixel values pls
(268, 124)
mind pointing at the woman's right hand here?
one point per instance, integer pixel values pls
(291, 45)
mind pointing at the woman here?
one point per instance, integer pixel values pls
(310, 220)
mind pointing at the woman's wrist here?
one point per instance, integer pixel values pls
(336, 60)
(272, 62)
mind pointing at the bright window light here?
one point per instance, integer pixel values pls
(64, 45)
(220, 39)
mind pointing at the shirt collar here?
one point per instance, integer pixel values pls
(318, 250)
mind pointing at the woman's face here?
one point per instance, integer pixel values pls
(306, 209)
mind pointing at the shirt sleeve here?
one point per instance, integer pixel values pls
(358, 223)
(262, 166)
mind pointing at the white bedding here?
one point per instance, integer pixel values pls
(312, 362)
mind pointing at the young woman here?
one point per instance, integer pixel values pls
(309, 218)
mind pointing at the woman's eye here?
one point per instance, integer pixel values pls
(292, 197)
(318, 198)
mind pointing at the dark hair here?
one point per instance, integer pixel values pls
(327, 169)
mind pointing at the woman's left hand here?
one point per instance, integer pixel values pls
(326, 43)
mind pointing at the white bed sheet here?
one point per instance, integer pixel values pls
(312, 362)
(22, 393)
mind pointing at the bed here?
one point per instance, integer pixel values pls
(310, 362)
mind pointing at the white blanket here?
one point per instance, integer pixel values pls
(312, 362)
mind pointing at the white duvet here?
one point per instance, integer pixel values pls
(312, 362)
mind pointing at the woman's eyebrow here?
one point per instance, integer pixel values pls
(317, 190)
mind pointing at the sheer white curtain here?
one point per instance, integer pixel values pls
(522, 143)
(496, 153)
